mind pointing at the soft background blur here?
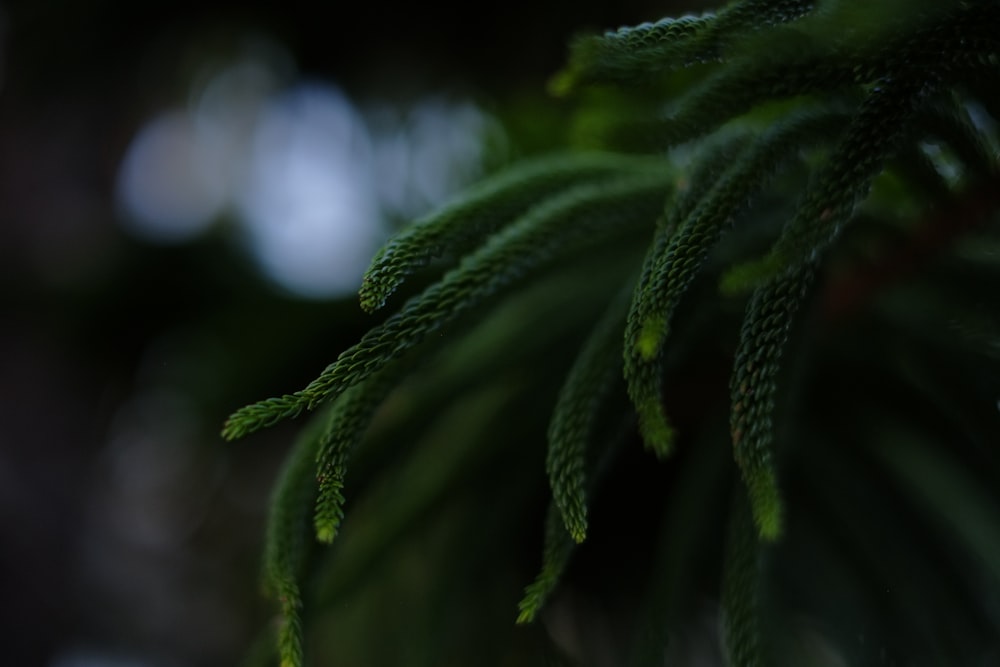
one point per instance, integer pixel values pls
(188, 196)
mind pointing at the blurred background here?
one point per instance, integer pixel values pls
(189, 194)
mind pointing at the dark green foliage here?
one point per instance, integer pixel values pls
(652, 48)
(555, 556)
(578, 217)
(679, 253)
(754, 385)
(460, 227)
(806, 252)
(573, 429)
(349, 418)
(287, 544)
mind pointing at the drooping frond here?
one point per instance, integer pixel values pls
(651, 49)
(673, 265)
(559, 546)
(350, 416)
(464, 224)
(754, 386)
(435, 473)
(643, 380)
(575, 414)
(835, 193)
(286, 544)
(264, 414)
(787, 61)
(580, 217)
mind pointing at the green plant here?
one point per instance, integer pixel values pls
(803, 193)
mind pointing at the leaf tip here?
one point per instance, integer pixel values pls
(230, 431)
(562, 84)
(370, 299)
(528, 606)
(656, 432)
(766, 505)
(325, 532)
(745, 277)
(653, 331)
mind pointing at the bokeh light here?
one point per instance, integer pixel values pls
(308, 180)
(308, 202)
(170, 185)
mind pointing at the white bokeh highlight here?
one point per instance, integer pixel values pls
(308, 201)
(308, 182)
(170, 184)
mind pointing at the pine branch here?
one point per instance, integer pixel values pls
(909, 77)
(349, 418)
(287, 541)
(672, 266)
(651, 49)
(559, 546)
(754, 387)
(829, 202)
(643, 380)
(264, 414)
(833, 196)
(466, 223)
(446, 460)
(575, 416)
(581, 217)
(782, 63)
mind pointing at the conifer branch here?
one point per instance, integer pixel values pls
(832, 197)
(575, 416)
(827, 205)
(559, 546)
(581, 217)
(672, 266)
(782, 62)
(793, 68)
(632, 52)
(287, 541)
(264, 414)
(643, 380)
(349, 418)
(464, 224)
(753, 388)
(650, 49)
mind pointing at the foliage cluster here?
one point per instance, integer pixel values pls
(798, 195)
